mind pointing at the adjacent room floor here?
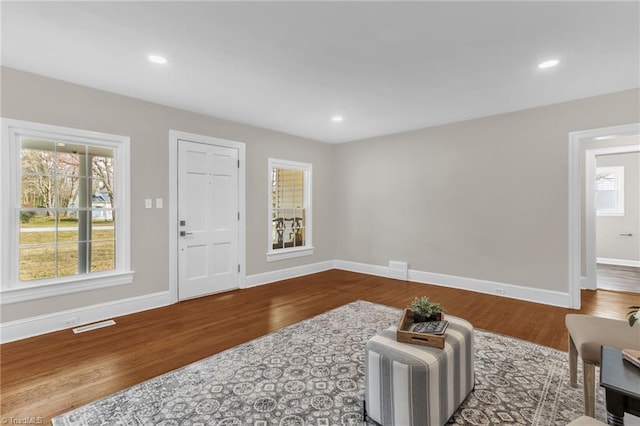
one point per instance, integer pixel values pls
(618, 278)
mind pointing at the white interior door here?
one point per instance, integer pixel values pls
(208, 218)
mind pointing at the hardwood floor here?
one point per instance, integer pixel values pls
(619, 278)
(54, 373)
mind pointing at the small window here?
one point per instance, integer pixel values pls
(289, 210)
(610, 191)
(66, 214)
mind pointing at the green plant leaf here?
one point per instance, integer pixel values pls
(423, 306)
(632, 314)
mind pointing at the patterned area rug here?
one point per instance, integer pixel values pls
(312, 373)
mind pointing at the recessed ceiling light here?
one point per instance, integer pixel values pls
(157, 59)
(336, 119)
(548, 64)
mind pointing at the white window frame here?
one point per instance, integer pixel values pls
(11, 289)
(290, 252)
(619, 191)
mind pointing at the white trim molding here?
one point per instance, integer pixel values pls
(363, 268)
(580, 179)
(512, 291)
(284, 274)
(292, 252)
(618, 262)
(547, 297)
(73, 284)
(289, 253)
(12, 289)
(29, 327)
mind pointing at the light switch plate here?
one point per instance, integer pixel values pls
(159, 203)
(148, 203)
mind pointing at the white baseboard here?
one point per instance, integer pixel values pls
(547, 297)
(29, 327)
(363, 268)
(283, 274)
(618, 262)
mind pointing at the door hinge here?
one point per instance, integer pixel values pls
(238, 267)
(238, 163)
(238, 215)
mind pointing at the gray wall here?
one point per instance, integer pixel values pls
(484, 199)
(609, 243)
(34, 98)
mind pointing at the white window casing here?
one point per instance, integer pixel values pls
(14, 290)
(290, 225)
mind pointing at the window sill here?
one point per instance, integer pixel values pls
(291, 253)
(617, 214)
(74, 284)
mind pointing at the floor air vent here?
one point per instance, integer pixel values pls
(398, 270)
(94, 326)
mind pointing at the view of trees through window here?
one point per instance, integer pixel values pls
(609, 197)
(67, 213)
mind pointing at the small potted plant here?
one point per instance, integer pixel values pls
(423, 310)
(634, 315)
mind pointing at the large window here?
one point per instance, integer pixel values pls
(289, 209)
(610, 191)
(66, 216)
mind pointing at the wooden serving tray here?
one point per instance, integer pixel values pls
(405, 336)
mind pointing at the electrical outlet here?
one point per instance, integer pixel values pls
(71, 321)
(499, 290)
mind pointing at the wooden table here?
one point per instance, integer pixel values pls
(621, 381)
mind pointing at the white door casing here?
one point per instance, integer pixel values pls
(208, 219)
(578, 180)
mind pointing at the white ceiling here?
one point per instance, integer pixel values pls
(386, 67)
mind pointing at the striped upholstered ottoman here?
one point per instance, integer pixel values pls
(418, 385)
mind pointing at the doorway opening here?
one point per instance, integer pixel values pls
(617, 217)
(584, 147)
